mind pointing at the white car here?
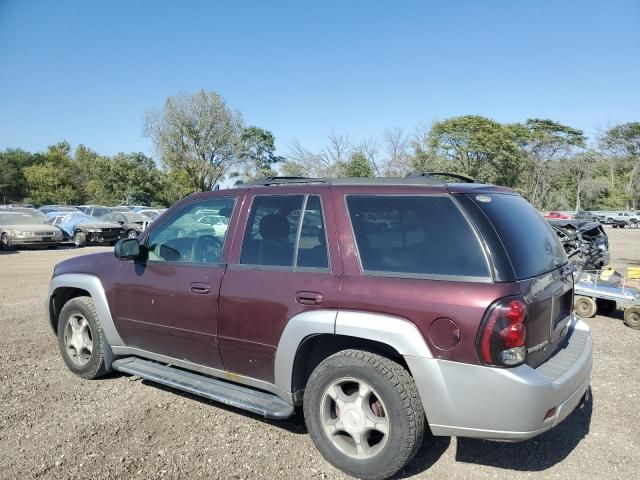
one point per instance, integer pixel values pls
(218, 222)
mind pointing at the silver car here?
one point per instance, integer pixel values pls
(19, 227)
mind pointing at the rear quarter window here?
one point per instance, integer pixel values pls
(415, 236)
(530, 242)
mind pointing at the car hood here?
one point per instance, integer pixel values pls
(28, 227)
(93, 263)
(98, 225)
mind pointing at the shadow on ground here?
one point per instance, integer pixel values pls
(537, 454)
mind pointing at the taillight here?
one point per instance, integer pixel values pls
(503, 334)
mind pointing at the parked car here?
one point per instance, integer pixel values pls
(459, 319)
(133, 223)
(560, 215)
(97, 211)
(83, 229)
(622, 219)
(120, 208)
(47, 209)
(217, 222)
(26, 226)
(137, 208)
(587, 216)
(152, 213)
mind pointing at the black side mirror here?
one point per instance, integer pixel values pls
(128, 249)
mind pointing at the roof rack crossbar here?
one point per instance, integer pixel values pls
(456, 176)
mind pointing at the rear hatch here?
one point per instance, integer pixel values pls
(516, 232)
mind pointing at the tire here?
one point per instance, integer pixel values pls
(585, 307)
(84, 363)
(606, 307)
(392, 394)
(132, 234)
(615, 226)
(79, 239)
(632, 317)
(5, 243)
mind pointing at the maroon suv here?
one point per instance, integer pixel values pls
(380, 306)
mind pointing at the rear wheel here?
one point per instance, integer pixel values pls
(364, 414)
(585, 307)
(606, 307)
(632, 317)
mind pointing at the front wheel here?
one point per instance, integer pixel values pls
(364, 414)
(80, 338)
(79, 239)
(5, 242)
(632, 317)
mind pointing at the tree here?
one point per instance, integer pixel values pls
(197, 134)
(56, 179)
(543, 141)
(357, 166)
(13, 185)
(477, 146)
(624, 140)
(258, 153)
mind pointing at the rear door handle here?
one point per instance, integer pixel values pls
(200, 288)
(309, 298)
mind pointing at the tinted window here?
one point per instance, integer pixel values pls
(531, 244)
(271, 230)
(312, 247)
(415, 235)
(181, 238)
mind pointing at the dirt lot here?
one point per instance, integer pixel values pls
(55, 425)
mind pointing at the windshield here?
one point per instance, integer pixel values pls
(22, 218)
(150, 214)
(532, 245)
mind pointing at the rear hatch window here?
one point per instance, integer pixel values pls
(531, 244)
(416, 236)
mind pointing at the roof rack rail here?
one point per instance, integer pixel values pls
(455, 176)
(265, 181)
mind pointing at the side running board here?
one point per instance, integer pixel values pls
(256, 401)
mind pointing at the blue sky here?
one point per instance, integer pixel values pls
(87, 71)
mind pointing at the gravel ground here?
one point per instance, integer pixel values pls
(55, 425)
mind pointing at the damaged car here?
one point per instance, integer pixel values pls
(83, 229)
(132, 223)
(585, 242)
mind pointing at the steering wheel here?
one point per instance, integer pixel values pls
(206, 249)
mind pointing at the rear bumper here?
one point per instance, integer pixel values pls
(504, 403)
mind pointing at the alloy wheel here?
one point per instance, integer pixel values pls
(354, 418)
(78, 339)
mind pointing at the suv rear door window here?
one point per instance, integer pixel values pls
(271, 230)
(530, 242)
(415, 235)
(285, 231)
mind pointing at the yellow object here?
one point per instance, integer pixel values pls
(607, 273)
(633, 272)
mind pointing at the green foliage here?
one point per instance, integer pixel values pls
(477, 146)
(13, 184)
(197, 134)
(55, 180)
(257, 151)
(357, 166)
